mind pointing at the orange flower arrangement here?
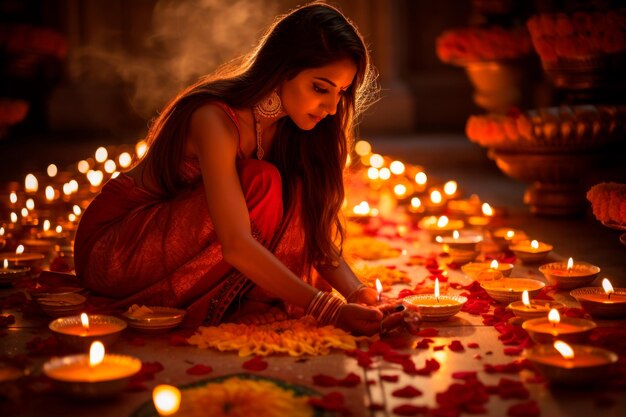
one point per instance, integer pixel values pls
(482, 44)
(580, 35)
(608, 201)
(367, 248)
(387, 276)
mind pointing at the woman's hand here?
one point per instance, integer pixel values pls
(358, 319)
(364, 295)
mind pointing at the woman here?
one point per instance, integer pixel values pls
(239, 194)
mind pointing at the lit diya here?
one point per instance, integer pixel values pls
(94, 375)
(439, 226)
(479, 222)
(78, 332)
(531, 309)
(503, 237)
(547, 330)
(571, 364)
(606, 302)
(508, 290)
(467, 241)
(166, 399)
(487, 271)
(434, 307)
(531, 251)
(9, 274)
(570, 275)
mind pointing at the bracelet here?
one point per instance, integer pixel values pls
(324, 307)
(359, 288)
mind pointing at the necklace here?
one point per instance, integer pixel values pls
(259, 134)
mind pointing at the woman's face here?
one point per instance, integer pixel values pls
(314, 93)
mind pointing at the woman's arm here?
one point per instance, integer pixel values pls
(215, 140)
(342, 278)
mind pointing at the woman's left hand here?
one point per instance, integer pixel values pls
(364, 295)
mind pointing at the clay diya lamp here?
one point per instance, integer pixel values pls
(94, 375)
(508, 290)
(602, 303)
(527, 309)
(78, 332)
(439, 226)
(8, 274)
(487, 271)
(503, 237)
(434, 307)
(570, 275)
(566, 364)
(531, 251)
(568, 329)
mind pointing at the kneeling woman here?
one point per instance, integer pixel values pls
(239, 194)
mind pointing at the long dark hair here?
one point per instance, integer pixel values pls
(310, 36)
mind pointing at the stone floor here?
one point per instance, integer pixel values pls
(442, 156)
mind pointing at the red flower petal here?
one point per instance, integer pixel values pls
(424, 343)
(390, 378)
(428, 332)
(456, 346)
(199, 369)
(325, 380)
(333, 401)
(405, 293)
(473, 345)
(409, 410)
(351, 380)
(407, 392)
(513, 351)
(255, 364)
(464, 375)
(148, 369)
(440, 347)
(527, 409)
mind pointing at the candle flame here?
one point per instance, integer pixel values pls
(564, 349)
(1, 231)
(67, 189)
(13, 217)
(31, 184)
(30, 204)
(384, 173)
(442, 221)
(101, 154)
(526, 298)
(76, 210)
(96, 354)
(570, 264)
(82, 166)
(534, 244)
(372, 173)
(397, 167)
(377, 160)
(487, 210)
(416, 202)
(84, 319)
(59, 229)
(379, 287)
(450, 187)
(362, 148)
(110, 166)
(436, 197)
(13, 197)
(141, 148)
(24, 212)
(71, 217)
(399, 190)
(73, 185)
(608, 288)
(52, 170)
(46, 225)
(95, 177)
(455, 234)
(421, 178)
(19, 250)
(494, 264)
(362, 208)
(554, 317)
(509, 234)
(437, 289)
(124, 159)
(5, 264)
(166, 399)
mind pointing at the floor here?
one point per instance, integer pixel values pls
(28, 341)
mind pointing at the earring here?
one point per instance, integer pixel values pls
(270, 106)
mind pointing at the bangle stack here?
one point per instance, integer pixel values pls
(324, 307)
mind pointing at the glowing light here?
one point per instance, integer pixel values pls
(13, 217)
(372, 173)
(442, 221)
(109, 166)
(13, 197)
(166, 399)
(570, 264)
(455, 234)
(384, 173)
(1, 231)
(348, 160)
(58, 229)
(46, 225)
(421, 178)
(96, 354)
(76, 210)
(399, 190)
(67, 188)
(437, 289)
(534, 244)
(416, 202)
(141, 148)
(30, 204)
(83, 166)
(397, 167)
(379, 288)
(52, 170)
(49, 193)
(71, 217)
(362, 208)
(487, 209)
(494, 264)
(509, 234)
(526, 298)
(101, 154)
(362, 148)
(607, 287)
(5, 264)
(377, 161)
(436, 197)
(450, 187)
(95, 177)
(124, 159)
(564, 349)
(19, 250)
(554, 317)
(24, 212)
(73, 185)
(31, 184)
(84, 319)
(115, 174)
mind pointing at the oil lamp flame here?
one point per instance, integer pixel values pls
(437, 289)
(421, 178)
(379, 288)
(416, 202)
(19, 250)
(166, 399)
(31, 184)
(554, 317)
(372, 173)
(526, 298)
(494, 264)
(608, 288)
(399, 190)
(397, 167)
(570, 264)
(509, 234)
(442, 222)
(96, 354)
(455, 234)
(5, 264)
(564, 349)
(534, 244)
(436, 197)
(46, 225)
(487, 210)
(84, 319)
(450, 187)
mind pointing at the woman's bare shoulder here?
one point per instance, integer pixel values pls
(210, 122)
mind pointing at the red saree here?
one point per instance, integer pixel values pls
(133, 247)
